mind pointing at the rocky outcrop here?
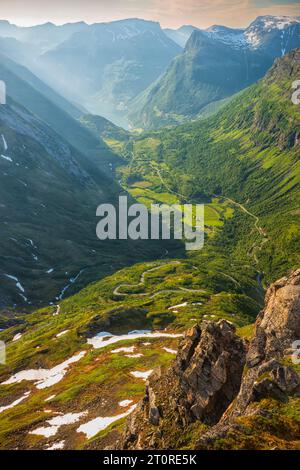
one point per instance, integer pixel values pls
(277, 328)
(217, 378)
(202, 382)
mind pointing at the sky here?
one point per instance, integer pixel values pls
(170, 13)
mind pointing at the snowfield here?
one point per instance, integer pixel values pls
(45, 378)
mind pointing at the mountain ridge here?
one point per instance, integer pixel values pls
(122, 58)
(212, 67)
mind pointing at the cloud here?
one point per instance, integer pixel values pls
(263, 3)
(233, 13)
(170, 13)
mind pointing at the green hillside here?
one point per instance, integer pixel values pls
(248, 152)
(214, 65)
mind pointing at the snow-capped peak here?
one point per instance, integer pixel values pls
(229, 36)
(254, 35)
(267, 24)
(274, 22)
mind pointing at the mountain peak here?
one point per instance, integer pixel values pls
(220, 28)
(132, 21)
(270, 21)
(197, 39)
(269, 30)
(188, 27)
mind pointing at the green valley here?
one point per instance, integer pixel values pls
(77, 363)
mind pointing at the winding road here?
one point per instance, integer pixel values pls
(257, 227)
(251, 252)
(117, 292)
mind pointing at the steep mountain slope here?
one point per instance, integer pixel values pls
(25, 74)
(18, 51)
(109, 63)
(49, 195)
(215, 64)
(104, 128)
(34, 95)
(180, 35)
(43, 185)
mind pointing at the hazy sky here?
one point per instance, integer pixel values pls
(170, 13)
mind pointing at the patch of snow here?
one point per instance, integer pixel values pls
(72, 280)
(17, 336)
(57, 446)
(14, 403)
(252, 38)
(45, 431)
(102, 340)
(91, 428)
(127, 350)
(18, 285)
(45, 378)
(61, 333)
(56, 422)
(6, 158)
(184, 304)
(11, 277)
(5, 146)
(125, 403)
(254, 35)
(68, 418)
(142, 375)
(134, 355)
(171, 351)
(31, 243)
(57, 311)
(50, 398)
(232, 38)
(280, 22)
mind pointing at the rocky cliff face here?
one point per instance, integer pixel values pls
(220, 388)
